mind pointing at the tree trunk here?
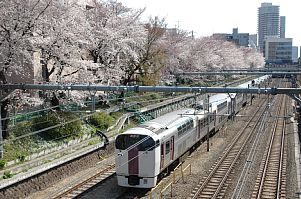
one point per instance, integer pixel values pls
(4, 114)
(4, 107)
(45, 72)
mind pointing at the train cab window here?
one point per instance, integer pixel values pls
(127, 141)
(167, 147)
(147, 145)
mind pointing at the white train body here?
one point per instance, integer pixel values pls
(144, 152)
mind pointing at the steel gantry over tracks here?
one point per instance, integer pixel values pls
(240, 72)
(89, 87)
(292, 92)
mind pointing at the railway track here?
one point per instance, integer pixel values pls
(80, 188)
(215, 184)
(271, 180)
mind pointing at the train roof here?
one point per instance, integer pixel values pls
(169, 118)
(166, 121)
(156, 126)
(218, 98)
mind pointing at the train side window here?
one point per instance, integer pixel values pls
(167, 147)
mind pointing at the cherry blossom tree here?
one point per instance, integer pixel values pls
(62, 38)
(104, 43)
(151, 58)
(117, 37)
(177, 44)
(18, 21)
(208, 53)
(253, 58)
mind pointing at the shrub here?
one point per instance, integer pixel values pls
(116, 115)
(7, 174)
(62, 131)
(2, 163)
(21, 157)
(154, 96)
(102, 120)
(21, 128)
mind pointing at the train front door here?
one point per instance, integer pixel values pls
(133, 161)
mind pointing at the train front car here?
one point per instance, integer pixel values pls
(136, 162)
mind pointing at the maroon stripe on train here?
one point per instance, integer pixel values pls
(133, 160)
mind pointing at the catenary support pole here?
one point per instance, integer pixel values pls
(1, 135)
(206, 106)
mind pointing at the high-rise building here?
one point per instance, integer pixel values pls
(268, 22)
(282, 27)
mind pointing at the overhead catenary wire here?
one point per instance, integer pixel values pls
(41, 130)
(135, 145)
(45, 129)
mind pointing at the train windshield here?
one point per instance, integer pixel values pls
(127, 141)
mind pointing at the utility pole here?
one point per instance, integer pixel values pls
(93, 102)
(1, 135)
(207, 114)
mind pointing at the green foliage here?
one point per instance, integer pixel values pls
(93, 142)
(7, 174)
(68, 129)
(116, 115)
(131, 125)
(102, 120)
(154, 96)
(17, 149)
(183, 81)
(21, 156)
(21, 128)
(2, 163)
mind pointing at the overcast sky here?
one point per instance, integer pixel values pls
(219, 16)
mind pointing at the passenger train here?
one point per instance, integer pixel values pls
(144, 153)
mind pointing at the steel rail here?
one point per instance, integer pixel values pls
(93, 179)
(278, 192)
(250, 159)
(213, 171)
(267, 158)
